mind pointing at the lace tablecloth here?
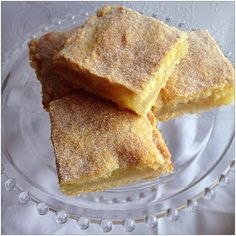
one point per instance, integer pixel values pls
(23, 18)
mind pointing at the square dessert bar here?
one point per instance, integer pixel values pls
(202, 80)
(121, 56)
(99, 146)
(41, 53)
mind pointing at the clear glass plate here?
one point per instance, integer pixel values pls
(201, 147)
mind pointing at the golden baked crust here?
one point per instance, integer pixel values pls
(99, 146)
(120, 50)
(42, 50)
(202, 80)
(41, 53)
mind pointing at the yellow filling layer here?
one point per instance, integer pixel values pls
(211, 99)
(117, 178)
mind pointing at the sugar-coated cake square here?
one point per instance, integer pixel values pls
(99, 146)
(204, 79)
(122, 56)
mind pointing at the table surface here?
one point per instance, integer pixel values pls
(20, 19)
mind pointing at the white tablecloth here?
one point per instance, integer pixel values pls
(214, 217)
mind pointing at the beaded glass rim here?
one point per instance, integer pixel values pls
(219, 171)
(172, 214)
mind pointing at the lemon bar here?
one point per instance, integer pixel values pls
(121, 56)
(41, 53)
(98, 146)
(204, 79)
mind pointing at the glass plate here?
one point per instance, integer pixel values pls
(201, 146)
